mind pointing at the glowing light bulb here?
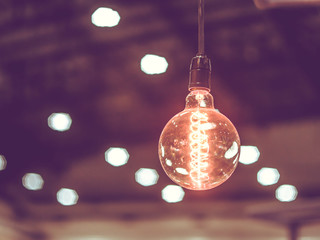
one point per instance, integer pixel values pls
(199, 148)
(200, 141)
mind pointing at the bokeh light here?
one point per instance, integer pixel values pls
(60, 121)
(268, 176)
(67, 197)
(3, 163)
(153, 64)
(172, 194)
(105, 17)
(146, 177)
(32, 181)
(286, 193)
(117, 156)
(249, 154)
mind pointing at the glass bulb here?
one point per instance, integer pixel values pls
(199, 147)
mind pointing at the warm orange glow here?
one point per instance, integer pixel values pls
(199, 148)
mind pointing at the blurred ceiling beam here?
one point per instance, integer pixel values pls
(264, 4)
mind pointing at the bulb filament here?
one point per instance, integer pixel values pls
(199, 148)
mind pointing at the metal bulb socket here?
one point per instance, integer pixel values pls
(200, 73)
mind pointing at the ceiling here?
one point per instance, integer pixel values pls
(53, 59)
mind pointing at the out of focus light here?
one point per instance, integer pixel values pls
(268, 176)
(153, 64)
(172, 194)
(3, 162)
(146, 177)
(32, 181)
(249, 154)
(59, 121)
(286, 193)
(116, 156)
(105, 17)
(67, 197)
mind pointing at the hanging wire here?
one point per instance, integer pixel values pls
(200, 27)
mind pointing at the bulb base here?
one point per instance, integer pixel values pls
(200, 73)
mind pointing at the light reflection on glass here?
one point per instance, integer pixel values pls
(207, 126)
(232, 151)
(153, 64)
(203, 104)
(162, 151)
(182, 171)
(268, 176)
(67, 197)
(168, 162)
(59, 121)
(32, 181)
(3, 162)
(146, 177)
(172, 194)
(105, 17)
(249, 155)
(116, 156)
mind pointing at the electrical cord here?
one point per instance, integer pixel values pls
(200, 27)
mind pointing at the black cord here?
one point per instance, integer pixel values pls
(201, 27)
(200, 68)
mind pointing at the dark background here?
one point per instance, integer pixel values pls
(53, 59)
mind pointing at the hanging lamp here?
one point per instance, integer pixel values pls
(199, 147)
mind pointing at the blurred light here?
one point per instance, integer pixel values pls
(3, 162)
(105, 17)
(59, 121)
(249, 154)
(116, 156)
(286, 193)
(268, 176)
(146, 177)
(32, 181)
(67, 197)
(153, 64)
(172, 194)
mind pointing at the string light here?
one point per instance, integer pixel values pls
(105, 17)
(268, 176)
(3, 162)
(146, 177)
(249, 155)
(286, 193)
(199, 147)
(172, 194)
(59, 121)
(67, 197)
(32, 181)
(116, 156)
(153, 64)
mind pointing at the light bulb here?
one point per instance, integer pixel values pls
(199, 147)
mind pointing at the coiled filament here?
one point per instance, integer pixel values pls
(199, 147)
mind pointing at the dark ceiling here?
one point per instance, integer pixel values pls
(53, 59)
